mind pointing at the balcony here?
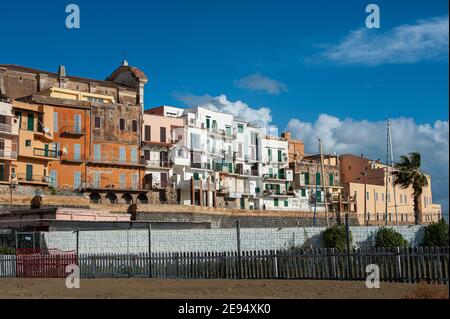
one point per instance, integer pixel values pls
(158, 164)
(205, 166)
(71, 130)
(8, 155)
(33, 179)
(8, 129)
(41, 152)
(114, 161)
(275, 177)
(104, 186)
(278, 193)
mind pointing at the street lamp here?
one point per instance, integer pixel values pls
(365, 197)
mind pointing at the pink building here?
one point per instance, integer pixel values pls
(157, 140)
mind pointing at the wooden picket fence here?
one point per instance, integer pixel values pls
(395, 265)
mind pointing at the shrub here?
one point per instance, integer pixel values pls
(436, 235)
(7, 251)
(388, 237)
(336, 237)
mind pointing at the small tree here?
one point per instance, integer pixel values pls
(336, 237)
(388, 238)
(436, 235)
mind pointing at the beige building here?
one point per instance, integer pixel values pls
(9, 130)
(378, 204)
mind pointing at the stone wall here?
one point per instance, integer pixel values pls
(194, 240)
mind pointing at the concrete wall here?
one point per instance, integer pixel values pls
(192, 240)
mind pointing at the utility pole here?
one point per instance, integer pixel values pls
(392, 167)
(323, 182)
(387, 176)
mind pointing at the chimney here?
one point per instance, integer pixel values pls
(62, 71)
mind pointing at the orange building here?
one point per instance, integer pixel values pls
(93, 128)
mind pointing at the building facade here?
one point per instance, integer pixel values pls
(9, 134)
(378, 201)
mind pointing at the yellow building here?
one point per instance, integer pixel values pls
(366, 180)
(35, 146)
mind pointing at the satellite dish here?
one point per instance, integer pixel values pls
(46, 130)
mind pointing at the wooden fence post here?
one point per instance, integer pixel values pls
(238, 239)
(150, 250)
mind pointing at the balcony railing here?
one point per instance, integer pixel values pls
(275, 176)
(12, 155)
(72, 130)
(273, 192)
(41, 152)
(109, 160)
(32, 178)
(6, 128)
(108, 185)
(159, 164)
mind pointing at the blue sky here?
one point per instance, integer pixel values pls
(311, 65)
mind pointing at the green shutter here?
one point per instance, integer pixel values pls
(303, 192)
(286, 203)
(46, 150)
(319, 196)
(269, 153)
(30, 122)
(278, 186)
(196, 177)
(280, 156)
(242, 203)
(29, 175)
(207, 122)
(2, 172)
(275, 202)
(331, 180)
(230, 167)
(306, 178)
(317, 178)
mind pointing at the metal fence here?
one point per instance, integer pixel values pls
(7, 266)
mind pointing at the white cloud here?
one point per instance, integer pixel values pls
(407, 43)
(260, 83)
(369, 138)
(261, 116)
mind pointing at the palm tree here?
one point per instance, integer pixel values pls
(408, 174)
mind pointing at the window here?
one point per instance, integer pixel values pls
(331, 180)
(376, 196)
(147, 132)
(146, 155)
(303, 192)
(76, 180)
(280, 156)
(319, 196)
(97, 178)
(77, 123)
(122, 124)
(228, 130)
(382, 197)
(97, 152)
(122, 180)
(122, 154)
(269, 154)
(367, 196)
(97, 122)
(76, 151)
(29, 172)
(19, 116)
(135, 181)
(28, 143)
(306, 178)
(286, 203)
(208, 120)
(54, 178)
(318, 178)
(240, 128)
(55, 121)
(195, 141)
(275, 202)
(134, 157)
(30, 122)
(162, 135)
(2, 144)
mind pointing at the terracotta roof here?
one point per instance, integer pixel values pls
(20, 68)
